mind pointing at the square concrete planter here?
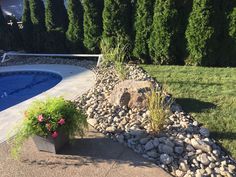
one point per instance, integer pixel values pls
(50, 144)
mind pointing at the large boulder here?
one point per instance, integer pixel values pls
(130, 93)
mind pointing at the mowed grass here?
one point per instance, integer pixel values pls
(209, 94)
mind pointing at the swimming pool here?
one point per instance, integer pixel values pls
(19, 86)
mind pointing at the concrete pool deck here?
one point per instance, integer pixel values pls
(75, 81)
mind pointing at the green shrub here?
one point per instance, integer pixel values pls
(49, 118)
(232, 24)
(162, 39)
(74, 34)
(4, 33)
(15, 36)
(56, 20)
(92, 25)
(142, 28)
(27, 31)
(200, 33)
(37, 14)
(158, 111)
(117, 22)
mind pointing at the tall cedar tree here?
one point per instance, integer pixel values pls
(117, 22)
(15, 36)
(200, 33)
(92, 24)
(37, 14)
(184, 8)
(56, 24)
(164, 30)
(232, 35)
(74, 34)
(4, 33)
(27, 31)
(142, 27)
(232, 24)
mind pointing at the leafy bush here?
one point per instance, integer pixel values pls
(49, 118)
(199, 33)
(161, 44)
(232, 25)
(4, 32)
(142, 28)
(56, 20)
(92, 25)
(117, 22)
(27, 31)
(74, 34)
(157, 107)
(37, 14)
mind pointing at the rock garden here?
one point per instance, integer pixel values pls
(124, 110)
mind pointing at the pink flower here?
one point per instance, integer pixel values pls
(48, 126)
(55, 134)
(40, 118)
(61, 121)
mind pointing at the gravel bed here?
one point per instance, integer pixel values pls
(22, 60)
(184, 148)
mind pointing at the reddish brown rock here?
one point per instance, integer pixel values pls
(131, 93)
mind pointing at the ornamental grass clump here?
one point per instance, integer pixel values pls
(158, 108)
(49, 118)
(115, 55)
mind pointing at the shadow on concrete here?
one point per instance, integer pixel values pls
(96, 149)
(194, 105)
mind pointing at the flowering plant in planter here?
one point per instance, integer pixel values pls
(49, 119)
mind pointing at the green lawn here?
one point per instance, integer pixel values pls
(209, 94)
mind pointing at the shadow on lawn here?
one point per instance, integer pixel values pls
(194, 105)
(224, 135)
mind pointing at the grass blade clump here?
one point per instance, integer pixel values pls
(158, 108)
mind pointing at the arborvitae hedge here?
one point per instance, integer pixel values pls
(27, 31)
(74, 34)
(56, 15)
(92, 24)
(117, 22)
(15, 36)
(142, 27)
(232, 35)
(3, 30)
(162, 39)
(200, 33)
(37, 14)
(56, 23)
(232, 24)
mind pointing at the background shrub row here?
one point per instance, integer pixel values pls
(191, 32)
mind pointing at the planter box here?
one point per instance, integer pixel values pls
(50, 144)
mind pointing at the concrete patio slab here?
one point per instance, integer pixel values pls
(75, 81)
(92, 156)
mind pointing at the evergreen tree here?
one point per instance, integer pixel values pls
(92, 24)
(232, 25)
(37, 14)
(200, 33)
(117, 22)
(4, 33)
(164, 29)
(142, 28)
(232, 35)
(74, 33)
(15, 36)
(56, 24)
(27, 31)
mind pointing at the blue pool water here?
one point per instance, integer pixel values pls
(19, 86)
